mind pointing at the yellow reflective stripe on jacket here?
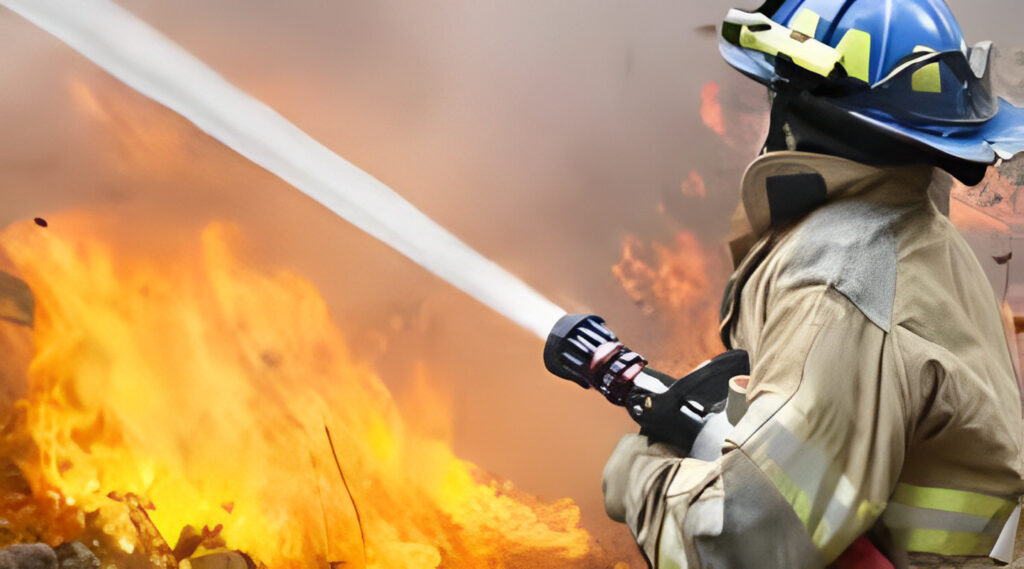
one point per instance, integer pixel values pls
(949, 500)
(826, 501)
(827, 529)
(942, 542)
(945, 521)
(922, 519)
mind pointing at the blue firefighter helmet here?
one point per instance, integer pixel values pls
(901, 67)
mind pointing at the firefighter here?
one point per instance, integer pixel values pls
(881, 424)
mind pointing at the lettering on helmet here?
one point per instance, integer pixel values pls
(758, 32)
(805, 22)
(855, 49)
(928, 79)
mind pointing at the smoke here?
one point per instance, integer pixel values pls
(142, 58)
(694, 186)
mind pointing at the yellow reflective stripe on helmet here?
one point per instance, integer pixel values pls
(760, 33)
(942, 542)
(806, 22)
(855, 49)
(949, 500)
(928, 79)
(809, 53)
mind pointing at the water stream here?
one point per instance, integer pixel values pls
(149, 62)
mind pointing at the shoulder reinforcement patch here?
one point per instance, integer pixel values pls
(851, 246)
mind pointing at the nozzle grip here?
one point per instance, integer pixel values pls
(678, 415)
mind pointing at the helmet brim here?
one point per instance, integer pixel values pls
(1002, 137)
(753, 64)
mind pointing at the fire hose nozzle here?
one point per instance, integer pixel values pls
(581, 349)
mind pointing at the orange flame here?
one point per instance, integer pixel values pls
(679, 285)
(693, 187)
(741, 120)
(711, 109)
(205, 387)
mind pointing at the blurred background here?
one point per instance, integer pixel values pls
(593, 148)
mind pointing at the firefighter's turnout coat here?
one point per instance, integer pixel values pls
(882, 397)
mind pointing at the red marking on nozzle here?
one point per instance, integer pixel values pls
(603, 353)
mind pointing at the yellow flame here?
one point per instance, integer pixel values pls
(205, 387)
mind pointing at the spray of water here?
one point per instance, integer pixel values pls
(147, 61)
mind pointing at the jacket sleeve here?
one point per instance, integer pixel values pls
(806, 471)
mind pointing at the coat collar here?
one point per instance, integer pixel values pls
(781, 187)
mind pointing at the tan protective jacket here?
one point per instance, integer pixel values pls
(882, 395)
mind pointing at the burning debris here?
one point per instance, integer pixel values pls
(151, 411)
(72, 555)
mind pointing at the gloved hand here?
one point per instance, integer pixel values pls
(679, 414)
(635, 464)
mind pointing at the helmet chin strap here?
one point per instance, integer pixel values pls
(777, 139)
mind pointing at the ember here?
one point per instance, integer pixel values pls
(152, 410)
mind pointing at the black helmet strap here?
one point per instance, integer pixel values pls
(803, 122)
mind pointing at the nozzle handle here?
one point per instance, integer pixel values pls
(677, 415)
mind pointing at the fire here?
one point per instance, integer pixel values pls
(198, 392)
(711, 109)
(693, 186)
(740, 120)
(678, 286)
